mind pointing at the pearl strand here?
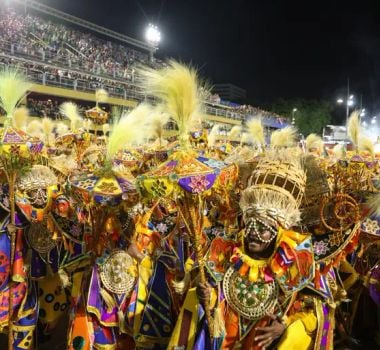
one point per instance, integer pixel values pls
(252, 226)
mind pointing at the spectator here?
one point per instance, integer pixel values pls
(71, 58)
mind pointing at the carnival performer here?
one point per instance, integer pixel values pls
(18, 294)
(331, 213)
(359, 266)
(256, 298)
(98, 317)
(162, 238)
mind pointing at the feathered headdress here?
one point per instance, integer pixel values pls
(106, 129)
(256, 130)
(277, 184)
(70, 110)
(270, 206)
(285, 137)
(275, 192)
(156, 121)
(314, 142)
(128, 130)
(47, 128)
(13, 88)
(177, 87)
(365, 144)
(235, 132)
(338, 151)
(101, 96)
(20, 118)
(212, 136)
(245, 138)
(87, 124)
(64, 164)
(61, 129)
(35, 129)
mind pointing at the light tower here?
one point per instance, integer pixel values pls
(153, 37)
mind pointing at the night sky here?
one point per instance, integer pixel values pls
(272, 48)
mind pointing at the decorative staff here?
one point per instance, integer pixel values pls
(186, 176)
(18, 151)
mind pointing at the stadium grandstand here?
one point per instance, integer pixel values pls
(68, 59)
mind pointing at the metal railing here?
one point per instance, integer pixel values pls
(44, 57)
(116, 88)
(89, 75)
(89, 83)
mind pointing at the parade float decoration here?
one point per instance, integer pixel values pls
(96, 114)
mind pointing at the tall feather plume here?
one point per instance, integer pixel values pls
(87, 124)
(130, 129)
(106, 129)
(235, 132)
(338, 151)
(70, 110)
(314, 141)
(285, 137)
(212, 136)
(13, 88)
(156, 122)
(353, 128)
(366, 144)
(61, 129)
(177, 86)
(47, 128)
(90, 125)
(116, 113)
(20, 118)
(256, 130)
(101, 96)
(373, 204)
(34, 128)
(245, 138)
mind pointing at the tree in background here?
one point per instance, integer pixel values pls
(311, 116)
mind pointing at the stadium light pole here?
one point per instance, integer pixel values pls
(293, 113)
(153, 37)
(349, 102)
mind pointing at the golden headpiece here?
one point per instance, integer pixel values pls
(275, 189)
(38, 177)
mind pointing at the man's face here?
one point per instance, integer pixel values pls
(63, 207)
(257, 242)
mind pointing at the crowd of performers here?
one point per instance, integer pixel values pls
(193, 244)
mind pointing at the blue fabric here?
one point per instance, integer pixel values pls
(5, 249)
(157, 320)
